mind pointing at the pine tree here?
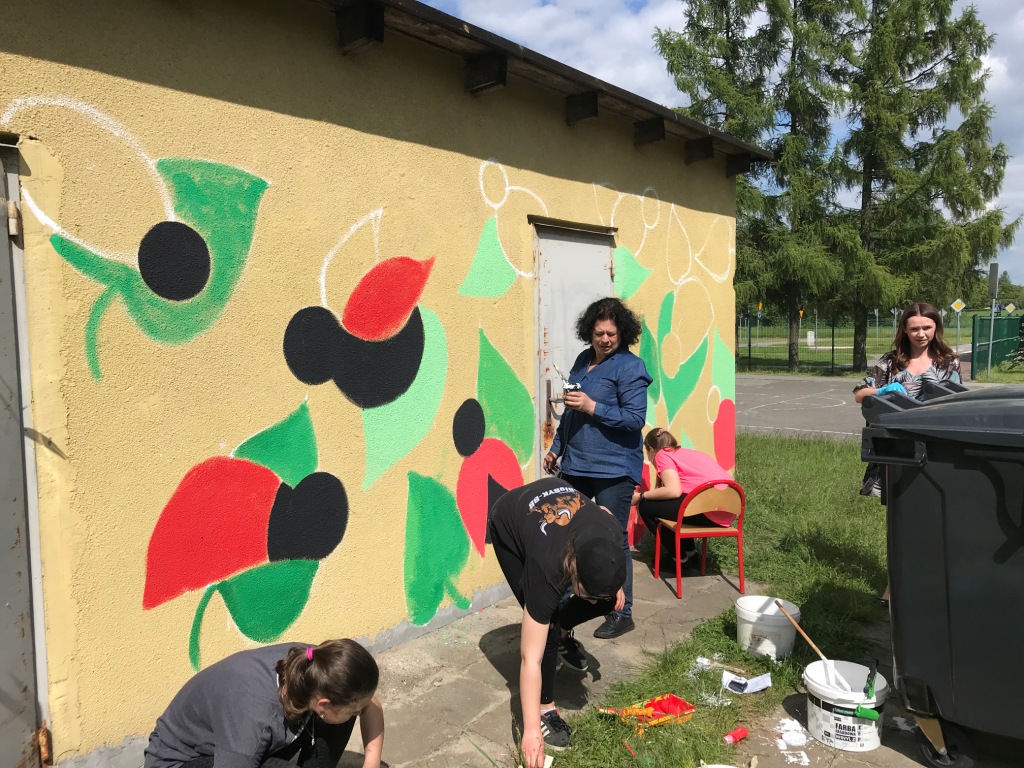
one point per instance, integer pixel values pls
(773, 83)
(924, 225)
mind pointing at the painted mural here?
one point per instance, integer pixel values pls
(251, 527)
(186, 267)
(387, 354)
(493, 433)
(689, 270)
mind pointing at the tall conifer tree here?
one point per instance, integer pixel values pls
(924, 223)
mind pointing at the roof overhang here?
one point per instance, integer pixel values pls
(490, 59)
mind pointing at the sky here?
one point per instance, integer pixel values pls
(612, 40)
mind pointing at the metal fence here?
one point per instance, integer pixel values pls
(826, 346)
(1000, 337)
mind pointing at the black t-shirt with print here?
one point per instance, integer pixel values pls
(536, 521)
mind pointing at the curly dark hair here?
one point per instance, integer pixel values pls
(609, 309)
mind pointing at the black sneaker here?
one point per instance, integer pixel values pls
(571, 653)
(555, 730)
(615, 625)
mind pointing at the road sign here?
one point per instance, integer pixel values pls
(958, 306)
(758, 314)
(942, 313)
(759, 309)
(993, 280)
(895, 311)
(801, 313)
(1010, 308)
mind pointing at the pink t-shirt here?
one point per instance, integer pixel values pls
(694, 468)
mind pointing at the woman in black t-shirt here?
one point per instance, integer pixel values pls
(547, 536)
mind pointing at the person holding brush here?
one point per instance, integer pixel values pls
(548, 536)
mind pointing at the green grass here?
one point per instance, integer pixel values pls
(1001, 374)
(810, 538)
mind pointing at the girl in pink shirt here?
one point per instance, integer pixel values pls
(680, 470)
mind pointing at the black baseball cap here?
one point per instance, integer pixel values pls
(600, 560)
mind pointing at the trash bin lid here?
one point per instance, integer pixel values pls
(990, 416)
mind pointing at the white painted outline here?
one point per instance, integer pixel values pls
(707, 402)
(373, 216)
(643, 217)
(668, 256)
(497, 206)
(104, 121)
(719, 277)
(49, 223)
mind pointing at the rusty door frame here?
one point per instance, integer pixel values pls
(14, 371)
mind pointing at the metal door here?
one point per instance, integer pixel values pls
(18, 720)
(574, 268)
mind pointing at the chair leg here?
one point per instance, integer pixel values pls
(703, 555)
(679, 571)
(657, 551)
(739, 558)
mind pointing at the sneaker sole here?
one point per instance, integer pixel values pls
(563, 663)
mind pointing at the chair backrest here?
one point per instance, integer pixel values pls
(714, 497)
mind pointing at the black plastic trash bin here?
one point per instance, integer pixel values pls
(954, 494)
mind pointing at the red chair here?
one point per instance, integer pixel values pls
(709, 497)
(635, 527)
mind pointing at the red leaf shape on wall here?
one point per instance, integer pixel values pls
(492, 458)
(214, 526)
(725, 434)
(383, 300)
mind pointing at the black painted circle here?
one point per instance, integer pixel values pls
(174, 261)
(468, 427)
(374, 373)
(311, 345)
(307, 522)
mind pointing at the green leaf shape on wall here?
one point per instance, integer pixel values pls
(630, 274)
(287, 448)
(679, 387)
(263, 601)
(723, 369)
(217, 201)
(490, 275)
(652, 360)
(436, 549)
(393, 430)
(507, 405)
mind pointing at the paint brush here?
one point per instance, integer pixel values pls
(830, 667)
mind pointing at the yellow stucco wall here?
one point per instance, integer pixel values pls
(100, 93)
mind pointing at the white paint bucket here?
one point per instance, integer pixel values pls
(830, 710)
(762, 629)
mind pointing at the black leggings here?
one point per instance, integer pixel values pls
(325, 753)
(571, 613)
(668, 509)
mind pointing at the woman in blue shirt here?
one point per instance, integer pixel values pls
(599, 440)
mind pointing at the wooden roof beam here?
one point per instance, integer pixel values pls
(486, 72)
(360, 23)
(580, 107)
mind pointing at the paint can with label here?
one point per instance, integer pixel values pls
(832, 715)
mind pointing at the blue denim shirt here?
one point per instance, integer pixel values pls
(609, 443)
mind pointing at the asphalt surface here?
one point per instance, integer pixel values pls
(798, 406)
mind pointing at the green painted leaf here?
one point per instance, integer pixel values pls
(723, 369)
(264, 601)
(490, 275)
(287, 448)
(436, 548)
(678, 388)
(630, 274)
(649, 354)
(220, 203)
(507, 405)
(393, 430)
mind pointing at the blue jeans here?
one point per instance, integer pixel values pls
(614, 493)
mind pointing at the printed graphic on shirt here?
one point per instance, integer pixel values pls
(556, 505)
